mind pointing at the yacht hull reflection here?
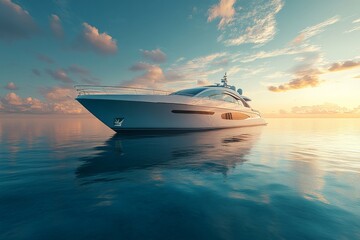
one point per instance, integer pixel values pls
(215, 151)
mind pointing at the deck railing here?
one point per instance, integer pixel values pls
(97, 90)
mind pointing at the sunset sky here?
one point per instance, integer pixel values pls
(288, 56)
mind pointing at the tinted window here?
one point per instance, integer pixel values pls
(189, 92)
(223, 97)
(229, 98)
(210, 93)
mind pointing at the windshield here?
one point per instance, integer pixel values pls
(189, 92)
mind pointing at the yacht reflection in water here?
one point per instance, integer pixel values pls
(215, 151)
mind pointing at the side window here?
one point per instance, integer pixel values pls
(218, 95)
(215, 96)
(229, 98)
(209, 94)
(223, 97)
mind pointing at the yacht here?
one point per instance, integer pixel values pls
(202, 108)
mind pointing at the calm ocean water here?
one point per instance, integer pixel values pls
(75, 179)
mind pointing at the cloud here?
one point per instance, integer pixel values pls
(181, 73)
(314, 30)
(57, 100)
(297, 46)
(45, 59)
(14, 103)
(255, 23)
(11, 86)
(155, 55)
(356, 22)
(91, 39)
(344, 66)
(140, 66)
(62, 100)
(196, 69)
(153, 76)
(83, 73)
(224, 10)
(308, 72)
(56, 26)
(326, 108)
(203, 82)
(297, 83)
(15, 22)
(292, 50)
(60, 75)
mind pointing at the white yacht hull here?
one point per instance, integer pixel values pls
(127, 113)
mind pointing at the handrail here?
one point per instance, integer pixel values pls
(96, 90)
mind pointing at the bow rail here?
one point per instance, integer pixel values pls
(100, 90)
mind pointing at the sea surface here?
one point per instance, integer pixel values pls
(72, 178)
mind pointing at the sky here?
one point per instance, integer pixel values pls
(289, 57)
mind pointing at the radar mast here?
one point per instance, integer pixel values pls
(224, 80)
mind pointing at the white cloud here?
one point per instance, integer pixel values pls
(314, 30)
(254, 23)
(356, 22)
(290, 50)
(196, 69)
(15, 22)
(224, 10)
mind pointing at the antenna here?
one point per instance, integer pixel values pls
(224, 80)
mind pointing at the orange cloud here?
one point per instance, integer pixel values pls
(203, 82)
(91, 39)
(344, 66)
(152, 78)
(297, 83)
(309, 76)
(224, 10)
(57, 100)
